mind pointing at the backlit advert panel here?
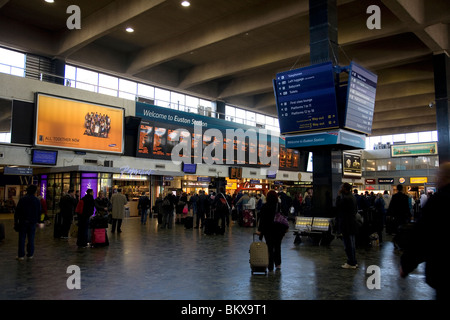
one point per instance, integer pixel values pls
(72, 124)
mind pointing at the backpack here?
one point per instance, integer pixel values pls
(166, 202)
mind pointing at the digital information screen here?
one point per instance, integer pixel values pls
(362, 85)
(306, 99)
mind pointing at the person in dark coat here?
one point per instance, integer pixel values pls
(202, 209)
(83, 219)
(222, 210)
(168, 206)
(272, 232)
(429, 241)
(398, 209)
(67, 208)
(26, 216)
(346, 223)
(143, 206)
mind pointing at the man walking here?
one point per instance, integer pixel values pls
(347, 225)
(118, 202)
(26, 217)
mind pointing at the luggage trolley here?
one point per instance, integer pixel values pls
(317, 229)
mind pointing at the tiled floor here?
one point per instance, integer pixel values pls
(146, 263)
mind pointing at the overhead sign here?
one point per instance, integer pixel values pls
(342, 137)
(414, 149)
(420, 180)
(361, 90)
(386, 181)
(73, 124)
(306, 99)
(20, 171)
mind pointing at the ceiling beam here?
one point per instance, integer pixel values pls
(233, 25)
(101, 23)
(414, 14)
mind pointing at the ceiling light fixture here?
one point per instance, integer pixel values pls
(129, 29)
(50, 1)
(185, 3)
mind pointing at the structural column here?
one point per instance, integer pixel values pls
(441, 64)
(323, 48)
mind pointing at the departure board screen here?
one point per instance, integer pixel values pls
(306, 99)
(361, 90)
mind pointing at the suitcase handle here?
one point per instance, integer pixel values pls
(255, 234)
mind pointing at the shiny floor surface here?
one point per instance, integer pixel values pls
(147, 263)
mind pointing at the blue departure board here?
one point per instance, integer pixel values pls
(306, 99)
(362, 85)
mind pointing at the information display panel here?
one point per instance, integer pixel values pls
(361, 90)
(306, 99)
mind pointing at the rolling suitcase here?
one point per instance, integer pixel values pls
(259, 256)
(57, 226)
(210, 226)
(188, 222)
(99, 237)
(247, 218)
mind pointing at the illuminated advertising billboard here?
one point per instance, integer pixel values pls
(73, 124)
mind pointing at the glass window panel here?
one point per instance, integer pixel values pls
(162, 97)
(127, 89)
(230, 113)
(108, 85)
(177, 101)
(70, 75)
(146, 91)
(425, 136)
(434, 136)
(399, 138)
(250, 118)
(86, 79)
(386, 139)
(192, 103)
(412, 137)
(260, 118)
(12, 62)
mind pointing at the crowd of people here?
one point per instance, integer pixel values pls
(424, 239)
(97, 125)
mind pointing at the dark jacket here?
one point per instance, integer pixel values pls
(67, 205)
(28, 210)
(88, 207)
(429, 242)
(221, 207)
(144, 203)
(171, 202)
(399, 208)
(100, 205)
(267, 227)
(346, 214)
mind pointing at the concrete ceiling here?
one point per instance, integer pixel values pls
(231, 50)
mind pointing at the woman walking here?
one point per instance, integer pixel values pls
(272, 231)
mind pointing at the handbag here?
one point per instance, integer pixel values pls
(279, 218)
(79, 208)
(185, 210)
